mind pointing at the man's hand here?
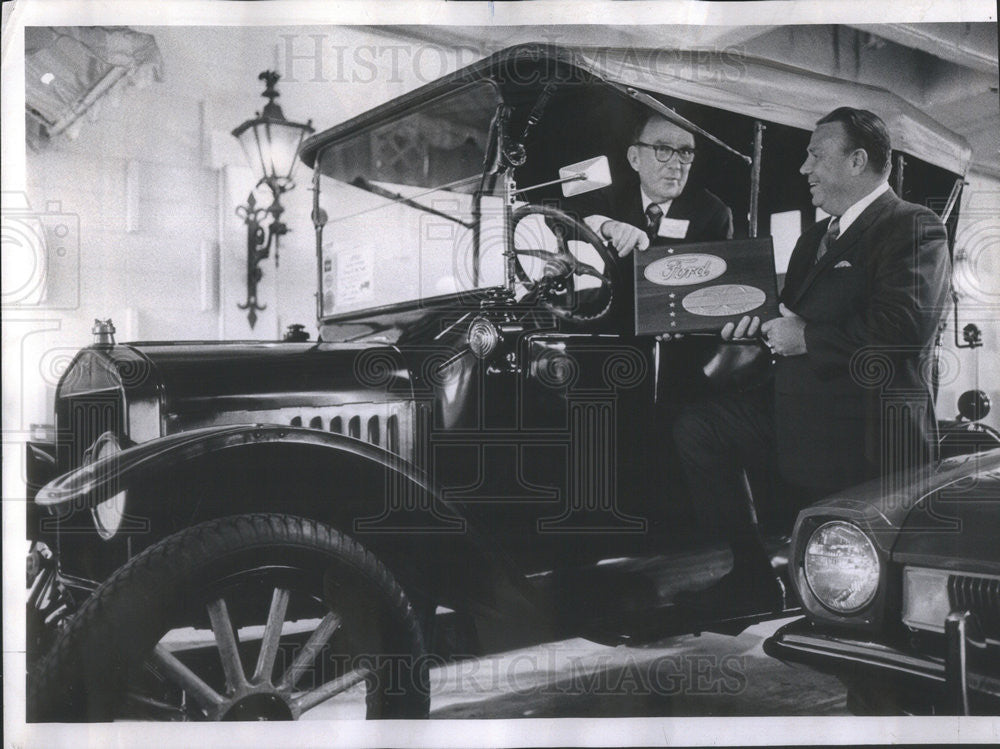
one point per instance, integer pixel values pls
(785, 335)
(745, 330)
(624, 237)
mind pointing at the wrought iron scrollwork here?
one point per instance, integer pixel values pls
(259, 243)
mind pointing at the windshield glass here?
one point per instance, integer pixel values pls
(400, 204)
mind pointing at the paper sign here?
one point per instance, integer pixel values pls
(354, 278)
(673, 228)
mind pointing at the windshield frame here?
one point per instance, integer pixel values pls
(452, 89)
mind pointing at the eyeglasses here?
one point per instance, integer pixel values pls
(685, 155)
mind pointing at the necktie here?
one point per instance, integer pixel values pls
(654, 214)
(832, 232)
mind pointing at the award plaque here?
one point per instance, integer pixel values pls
(699, 287)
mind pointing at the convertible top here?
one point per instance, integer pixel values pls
(779, 93)
(770, 91)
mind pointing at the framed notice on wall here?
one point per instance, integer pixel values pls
(699, 287)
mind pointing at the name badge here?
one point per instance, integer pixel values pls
(673, 228)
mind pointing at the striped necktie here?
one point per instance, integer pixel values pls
(654, 214)
(832, 232)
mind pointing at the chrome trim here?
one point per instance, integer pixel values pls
(962, 630)
(797, 642)
(980, 594)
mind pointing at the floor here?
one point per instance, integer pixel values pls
(706, 675)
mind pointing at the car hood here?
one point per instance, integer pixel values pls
(951, 513)
(957, 526)
(190, 377)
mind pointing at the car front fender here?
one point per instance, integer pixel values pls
(89, 484)
(384, 501)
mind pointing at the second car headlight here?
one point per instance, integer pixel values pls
(841, 567)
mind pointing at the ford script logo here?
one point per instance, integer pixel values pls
(684, 270)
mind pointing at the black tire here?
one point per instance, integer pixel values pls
(231, 574)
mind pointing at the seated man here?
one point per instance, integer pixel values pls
(661, 153)
(656, 208)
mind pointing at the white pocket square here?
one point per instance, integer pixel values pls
(843, 264)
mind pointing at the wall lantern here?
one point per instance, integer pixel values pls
(271, 145)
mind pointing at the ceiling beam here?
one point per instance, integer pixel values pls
(640, 37)
(953, 42)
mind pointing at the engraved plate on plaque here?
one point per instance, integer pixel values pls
(724, 299)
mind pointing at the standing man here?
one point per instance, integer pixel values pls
(862, 301)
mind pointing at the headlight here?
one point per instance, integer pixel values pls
(109, 513)
(483, 337)
(841, 567)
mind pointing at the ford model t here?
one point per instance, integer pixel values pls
(247, 530)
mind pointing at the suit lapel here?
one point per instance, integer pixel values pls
(801, 262)
(845, 241)
(629, 207)
(678, 207)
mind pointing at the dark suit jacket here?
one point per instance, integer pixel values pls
(709, 218)
(859, 402)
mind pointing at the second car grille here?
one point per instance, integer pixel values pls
(981, 596)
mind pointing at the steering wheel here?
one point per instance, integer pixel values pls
(556, 287)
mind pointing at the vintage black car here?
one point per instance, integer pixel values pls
(241, 530)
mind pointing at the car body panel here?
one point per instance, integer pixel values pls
(955, 527)
(235, 377)
(885, 507)
(462, 566)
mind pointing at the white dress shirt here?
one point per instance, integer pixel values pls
(849, 216)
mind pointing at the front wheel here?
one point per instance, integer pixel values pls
(251, 617)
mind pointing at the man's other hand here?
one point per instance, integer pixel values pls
(785, 335)
(624, 237)
(746, 329)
